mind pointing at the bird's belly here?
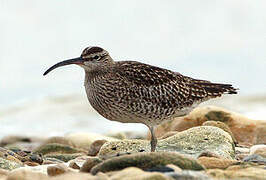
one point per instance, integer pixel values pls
(114, 108)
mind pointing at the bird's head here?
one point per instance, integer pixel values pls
(90, 57)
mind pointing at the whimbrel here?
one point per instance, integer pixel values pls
(134, 92)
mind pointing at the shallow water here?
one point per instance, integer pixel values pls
(72, 113)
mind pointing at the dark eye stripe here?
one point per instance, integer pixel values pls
(96, 57)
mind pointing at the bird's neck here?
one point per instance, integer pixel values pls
(96, 72)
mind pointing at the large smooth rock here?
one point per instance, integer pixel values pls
(191, 142)
(146, 161)
(9, 165)
(246, 131)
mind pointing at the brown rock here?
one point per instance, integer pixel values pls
(95, 147)
(90, 163)
(78, 162)
(213, 163)
(245, 130)
(261, 132)
(73, 165)
(57, 169)
(30, 163)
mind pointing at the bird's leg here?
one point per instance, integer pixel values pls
(153, 139)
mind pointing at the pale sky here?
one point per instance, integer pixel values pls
(223, 41)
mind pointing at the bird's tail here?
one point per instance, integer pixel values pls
(215, 89)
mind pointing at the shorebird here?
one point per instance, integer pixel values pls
(134, 92)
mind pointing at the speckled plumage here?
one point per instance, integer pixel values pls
(133, 92)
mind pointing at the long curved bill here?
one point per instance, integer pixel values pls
(78, 60)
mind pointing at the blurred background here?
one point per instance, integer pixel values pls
(222, 41)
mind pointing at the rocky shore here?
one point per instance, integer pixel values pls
(209, 143)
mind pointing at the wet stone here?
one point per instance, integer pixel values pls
(191, 142)
(147, 160)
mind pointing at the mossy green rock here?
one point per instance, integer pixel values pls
(57, 148)
(9, 165)
(64, 157)
(191, 142)
(147, 160)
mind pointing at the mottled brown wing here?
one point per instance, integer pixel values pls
(149, 87)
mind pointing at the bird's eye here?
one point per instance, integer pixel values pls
(96, 57)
